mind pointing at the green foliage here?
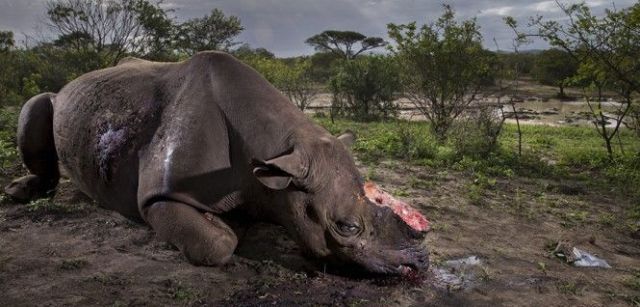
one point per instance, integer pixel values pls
(323, 66)
(444, 66)
(572, 150)
(633, 119)
(365, 88)
(477, 134)
(211, 32)
(160, 31)
(8, 152)
(523, 61)
(607, 48)
(245, 52)
(475, 190)
(6, 41)
(98, 33)
(293, 78)
(107, 30)
(384, 140)
(633, 281)
(48, 206)
(609, 42)
(341, 43)
(554, 67)
(73, 264)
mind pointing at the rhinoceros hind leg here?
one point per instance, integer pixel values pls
(38, 151)
(27, 188)
(204, 240)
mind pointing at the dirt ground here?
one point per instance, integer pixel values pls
(74, 253)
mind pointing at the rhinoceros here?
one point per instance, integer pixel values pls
(178, 145)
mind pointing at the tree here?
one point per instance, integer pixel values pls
(293, 79)
(342, 43)
(7, 73)
(525, 61)
(158, 43)
(108, 28)
(245, 51)
(324, 65)
(211, 32)
(444, 67)
(298, 83)
(554, 67)
(365, 88)
(607, 48)
(6, 41)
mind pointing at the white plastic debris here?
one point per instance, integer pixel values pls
(445, 279)
(457, 274)
(464, 262)
(584, 259)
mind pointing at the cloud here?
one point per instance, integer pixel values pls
(498, 11)
(282, 26)
(544, 7)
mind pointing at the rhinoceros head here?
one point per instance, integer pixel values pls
(327, 212)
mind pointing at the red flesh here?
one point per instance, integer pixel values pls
(409, 215)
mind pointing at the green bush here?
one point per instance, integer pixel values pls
(477, 134)
(365, 88)
(8, 124)
(547, 151)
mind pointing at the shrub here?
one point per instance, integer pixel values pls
(365, 88)
(8, 151)
(477, 134)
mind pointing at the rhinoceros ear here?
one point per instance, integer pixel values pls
(348, 138)
(278, 172)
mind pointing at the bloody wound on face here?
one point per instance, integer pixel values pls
(409, 215)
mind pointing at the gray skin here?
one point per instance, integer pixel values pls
(179, 144)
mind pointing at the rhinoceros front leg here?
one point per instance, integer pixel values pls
(203, 240)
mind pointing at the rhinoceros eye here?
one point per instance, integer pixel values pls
(347, 228)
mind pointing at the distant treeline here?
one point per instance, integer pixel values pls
(441, 65)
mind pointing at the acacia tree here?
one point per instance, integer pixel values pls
(211, 32)
(342, 43)
(444, 67)
(607, 47)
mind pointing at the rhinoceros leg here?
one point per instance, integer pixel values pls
(36, 146)
(203, 240)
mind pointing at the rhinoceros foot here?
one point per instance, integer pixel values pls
(28, 188)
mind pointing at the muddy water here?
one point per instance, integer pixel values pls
(533, 111)
(557, 113)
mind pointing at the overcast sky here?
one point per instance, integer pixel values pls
(283, 25)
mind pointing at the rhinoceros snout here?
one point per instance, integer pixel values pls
(417, 259)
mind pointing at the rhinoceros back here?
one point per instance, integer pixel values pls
(101, 121)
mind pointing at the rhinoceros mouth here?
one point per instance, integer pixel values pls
(405, 269)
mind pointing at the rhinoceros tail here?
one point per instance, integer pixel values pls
(37, 149)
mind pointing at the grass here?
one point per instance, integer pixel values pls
(73, 264)
(633, 282)
(568, 152)
(568, 147)
(568, 287)
(181, 292)
(47, 206)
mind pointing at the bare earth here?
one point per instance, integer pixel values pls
(84, 255)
